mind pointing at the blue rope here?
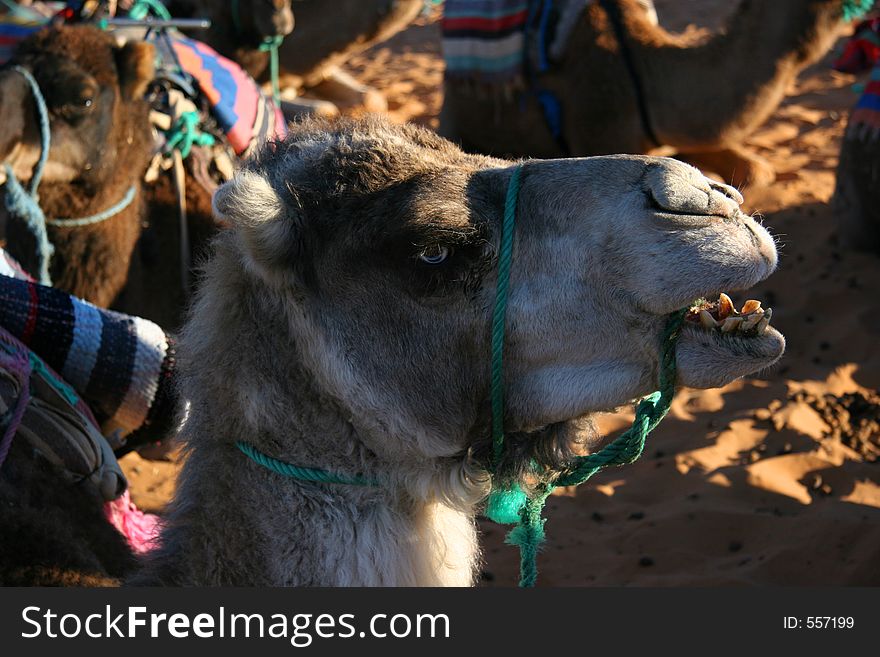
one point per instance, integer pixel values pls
(97, 218)
(24, 205)
(297, 472)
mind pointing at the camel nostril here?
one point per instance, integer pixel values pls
(730, 192)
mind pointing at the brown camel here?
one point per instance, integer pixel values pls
(238, 28)
(856, 199)
(363, 257)
(101, 144)
(327, 34)
(701, 99)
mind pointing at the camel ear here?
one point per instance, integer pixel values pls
(136, 65)
(257, 213)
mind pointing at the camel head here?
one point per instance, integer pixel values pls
(379, 246)
(93, 90)
(100, 145)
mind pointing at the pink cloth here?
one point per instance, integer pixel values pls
(140, 529)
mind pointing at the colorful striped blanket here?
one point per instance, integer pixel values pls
(245, 114)
(122, 366)
(484, 40)
(17, 23)
(500, 42)
(862, 51)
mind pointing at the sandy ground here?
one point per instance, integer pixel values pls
(774, 479)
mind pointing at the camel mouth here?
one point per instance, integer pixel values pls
(722, 317)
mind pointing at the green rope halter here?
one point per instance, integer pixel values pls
(512, 505)
(297, 472)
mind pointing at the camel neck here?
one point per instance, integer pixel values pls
(737, 77)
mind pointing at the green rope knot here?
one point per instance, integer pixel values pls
(185, 133)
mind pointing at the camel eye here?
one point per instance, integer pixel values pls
(435, 255)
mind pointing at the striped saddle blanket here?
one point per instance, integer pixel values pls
(862, 52)
(243, 112)
(499, 42)
(121, 366)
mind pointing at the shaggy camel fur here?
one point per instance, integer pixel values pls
(703, 99)
(344, 323)
(102, 142)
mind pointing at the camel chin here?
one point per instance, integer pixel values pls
(708, 358)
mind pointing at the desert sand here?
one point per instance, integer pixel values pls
(772, 480)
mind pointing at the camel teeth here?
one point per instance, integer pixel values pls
(731, 324)
(750, 306)
(751, 321)
(707, 320)
(725, 306)
(763, 325)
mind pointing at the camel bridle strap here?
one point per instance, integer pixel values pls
(511, 504)
(316, 475)
(269, 44)
(24, 204)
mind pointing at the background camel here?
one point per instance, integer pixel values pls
(857, 194)
(326, 36)
(238, 29)
(102, 141)
(363, 256)
(702, 98)
(856, 199)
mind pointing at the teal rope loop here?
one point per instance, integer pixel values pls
(297, 472)
(512, 505)
(853, 9)
(185, 134)
(98, 217)
(140, 9)
(24, 205)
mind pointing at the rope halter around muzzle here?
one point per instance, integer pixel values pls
(24, 204)
(512, 505)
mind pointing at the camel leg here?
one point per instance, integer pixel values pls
(344, 91)
(738, 166)
(856, 201)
